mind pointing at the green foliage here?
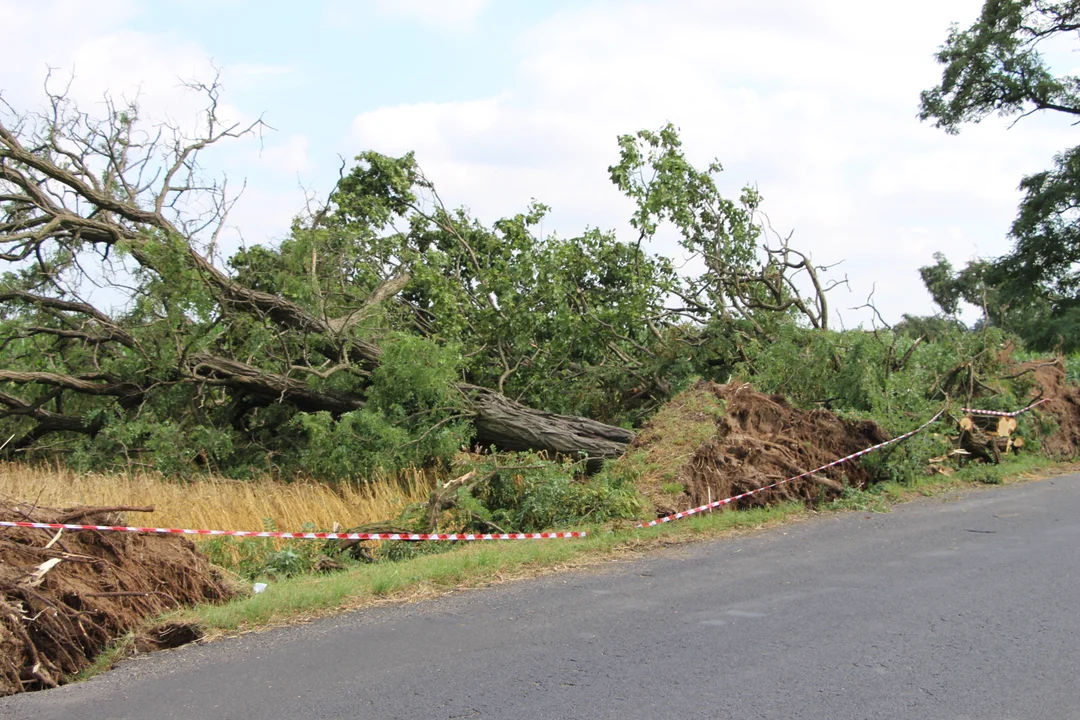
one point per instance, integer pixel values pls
(749, 287)
(931, 328)
(948, 287)
(896, 380)
(860, 500)
(985, 475)
(531, 500)
(1072, 369)
(414, 417)
(906, 462)
(402, 551)
(996, 66)
(523, 492)
(721, 229)
(266, 558)
(1012, 295)
(885, 375)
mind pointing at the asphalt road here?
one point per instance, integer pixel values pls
(967, 608)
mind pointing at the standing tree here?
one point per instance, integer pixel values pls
(997, 66)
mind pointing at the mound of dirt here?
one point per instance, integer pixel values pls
(1064, 406)
(64, 599)
(715, 441)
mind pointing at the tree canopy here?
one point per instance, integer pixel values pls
(386, 329)
(998, 66)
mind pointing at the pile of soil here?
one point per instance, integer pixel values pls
(1064, 406)
(63, 600)
(715, 441)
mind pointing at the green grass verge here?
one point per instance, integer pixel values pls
(485, 563)
(879, 497)
(108, 658)
(471, 565)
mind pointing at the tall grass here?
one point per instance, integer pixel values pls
(218, 503)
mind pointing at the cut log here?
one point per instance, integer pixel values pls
(1006, 426)
(977, 443)
(509, 425)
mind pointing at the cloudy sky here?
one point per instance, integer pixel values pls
(509, 100)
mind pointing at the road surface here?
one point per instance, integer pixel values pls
(961, 608)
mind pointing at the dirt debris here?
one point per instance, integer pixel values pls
(1063, 405)
(64, 599)
(715, 441)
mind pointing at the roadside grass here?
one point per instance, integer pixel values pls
(880, 496)
(479, 564)
(472, 564)
(485, 563)
(108, 658)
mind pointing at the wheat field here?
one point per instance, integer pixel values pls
(218, 503)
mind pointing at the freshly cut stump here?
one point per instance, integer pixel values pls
(63, 600)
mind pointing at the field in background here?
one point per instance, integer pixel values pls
(217, 503)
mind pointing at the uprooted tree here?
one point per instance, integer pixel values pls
(385, 329)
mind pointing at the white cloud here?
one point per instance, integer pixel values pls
(815, 103)
(445, 14)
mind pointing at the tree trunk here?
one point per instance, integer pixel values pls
(509, 425)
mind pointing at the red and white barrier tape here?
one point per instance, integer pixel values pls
(301, 536)
(999, 413)
(725, 501)
(486, 536)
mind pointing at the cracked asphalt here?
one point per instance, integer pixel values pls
(958, 608)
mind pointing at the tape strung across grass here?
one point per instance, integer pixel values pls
(905, 436)
(834, 463)
(489, 536)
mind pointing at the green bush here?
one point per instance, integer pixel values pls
(1072, 369)
(540, 495)
(266, 558)
(893, 378)
(524, 492)
(413, 417)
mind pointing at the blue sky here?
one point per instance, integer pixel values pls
(353, 57)
(508, 100)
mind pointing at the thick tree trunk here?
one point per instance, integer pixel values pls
(509, 425)
(270, 386)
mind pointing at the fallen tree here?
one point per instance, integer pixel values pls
(111, 210)
(384, 330)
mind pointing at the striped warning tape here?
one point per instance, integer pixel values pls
(300, 536)
(928, 423)
(483, 536)
(999, 413)
(725, 501)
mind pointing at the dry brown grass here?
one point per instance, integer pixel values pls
(218, 503)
